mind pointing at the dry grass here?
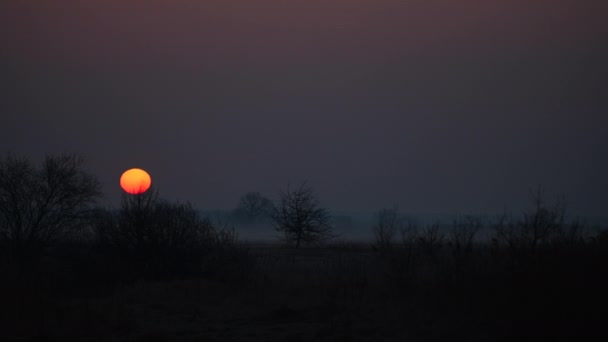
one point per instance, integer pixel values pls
(340, 292)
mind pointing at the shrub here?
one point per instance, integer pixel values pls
(158, 238)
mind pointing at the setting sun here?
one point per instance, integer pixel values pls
(135, 181)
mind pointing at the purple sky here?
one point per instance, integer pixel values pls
(436, 105)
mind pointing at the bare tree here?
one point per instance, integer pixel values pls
(147, 224)
(300, 219)
(40, 205)
(254, 207)
(431, 238)
(540, 224)
(388, 223)
(409, 232)
(462, 236)
(160, 238)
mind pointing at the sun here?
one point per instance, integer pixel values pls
(135, 181)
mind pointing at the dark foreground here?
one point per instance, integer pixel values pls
(340, 292)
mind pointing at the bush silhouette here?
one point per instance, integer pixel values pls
(158, 238)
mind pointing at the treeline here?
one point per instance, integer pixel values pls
(48, 218)
(538, 275)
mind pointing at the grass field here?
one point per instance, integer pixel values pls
(338, 292)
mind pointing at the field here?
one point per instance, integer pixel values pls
(337, 292)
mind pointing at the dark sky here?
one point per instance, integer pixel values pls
(436, 105)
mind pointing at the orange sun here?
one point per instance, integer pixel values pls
(135, 181)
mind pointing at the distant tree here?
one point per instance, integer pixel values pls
(299, 217)
(388, 223)
(253, 207)
(540, 224)
(430, 238)
(462, 235)
(41, 205)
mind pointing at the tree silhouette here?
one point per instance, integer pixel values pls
(300, 219)
(254, 207)
(388, 223)
(541, 224)
(40, 205)
(158, 238)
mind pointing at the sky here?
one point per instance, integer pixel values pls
(438, 106)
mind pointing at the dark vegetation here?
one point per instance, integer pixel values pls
(155, 270)
(299, 218)
(253, 208)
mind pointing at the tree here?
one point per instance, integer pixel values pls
(300, 219)
(147, 224)
(41, 205)
(462, 236)
(254, 207)
(156, 238)
(540, 224)
(388, 223)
